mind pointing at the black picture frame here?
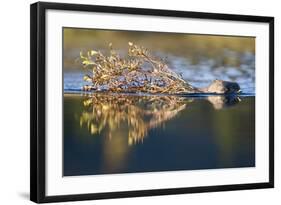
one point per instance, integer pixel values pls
(38, 101)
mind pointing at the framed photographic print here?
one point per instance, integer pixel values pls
(129, 102)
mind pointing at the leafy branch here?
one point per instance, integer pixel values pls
(131, 74)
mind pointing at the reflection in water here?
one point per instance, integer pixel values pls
(140, 114)
(219, 101)
(112, 113)
(125, 133)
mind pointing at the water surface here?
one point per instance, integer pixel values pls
(121, 133)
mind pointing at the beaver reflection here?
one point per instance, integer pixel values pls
(220, 101)
(136, 115)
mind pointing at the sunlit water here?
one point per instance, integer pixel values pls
(122, 133)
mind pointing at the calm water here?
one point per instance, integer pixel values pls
(107, 133)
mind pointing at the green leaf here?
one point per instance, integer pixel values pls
(81, 55)
(87, 78)
(93, 52)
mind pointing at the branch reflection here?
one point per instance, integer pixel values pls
(136, 115)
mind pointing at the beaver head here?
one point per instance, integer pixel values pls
(223, 87)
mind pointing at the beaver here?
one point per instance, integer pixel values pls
(220, 87)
